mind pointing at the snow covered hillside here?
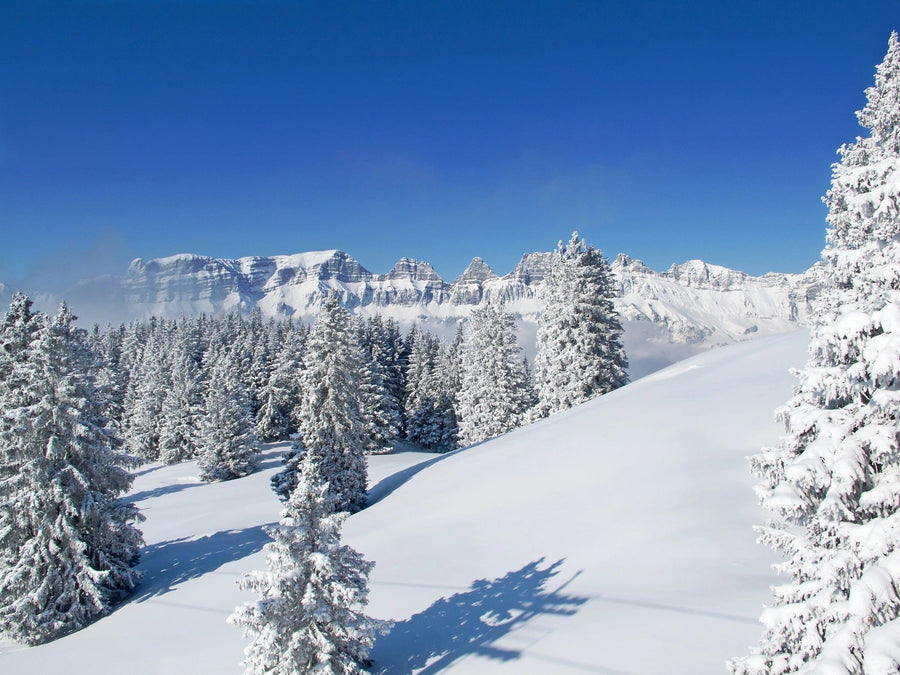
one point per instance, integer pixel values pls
(612, 538)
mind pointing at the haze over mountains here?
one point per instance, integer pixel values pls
(667, 315)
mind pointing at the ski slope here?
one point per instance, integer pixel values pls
(612, 538)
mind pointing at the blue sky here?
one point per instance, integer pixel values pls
(435, 130)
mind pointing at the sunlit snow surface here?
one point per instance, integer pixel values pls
(613, 538)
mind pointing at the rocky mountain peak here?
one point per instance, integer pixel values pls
(478, 271)
(416, 270)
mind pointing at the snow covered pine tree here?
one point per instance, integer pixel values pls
(494, 396)
(227, 445)
(67, 544)
(329, 416)
(308, 618)
(579, 340)
(834, 483)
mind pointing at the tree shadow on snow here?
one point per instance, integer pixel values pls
(160, 491)
(472, 621)
(170, 563)
(388, 484)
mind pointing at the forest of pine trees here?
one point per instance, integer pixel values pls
(79, 409)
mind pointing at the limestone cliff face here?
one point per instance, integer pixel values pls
(691, 303)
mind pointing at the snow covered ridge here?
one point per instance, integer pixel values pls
(693, 303)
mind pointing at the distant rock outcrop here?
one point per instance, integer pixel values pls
(692, 303)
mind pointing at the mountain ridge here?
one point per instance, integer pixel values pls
(694, 302)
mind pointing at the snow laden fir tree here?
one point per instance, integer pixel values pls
(309, 616)
(331, 424)
(67, 544)
(833, 485)
(496, 393)
(228, 444)
(579, 339)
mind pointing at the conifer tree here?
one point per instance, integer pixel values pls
(329, 416)
(228, 445)
(579, 339)
(282, 389)
(179, 426)
(833, 484)
(309, 616)
(284, 482)
(494, 397)
(380, 409)
(144, 399)
(431, 419)
(67, 543)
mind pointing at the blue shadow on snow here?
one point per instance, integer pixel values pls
(471, 622)
(170, 563)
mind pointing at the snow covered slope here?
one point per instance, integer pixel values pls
(612, 538)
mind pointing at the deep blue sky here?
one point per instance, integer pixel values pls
(436, 130)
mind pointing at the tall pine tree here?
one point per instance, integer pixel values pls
(67, 543)
(494, 397)
(579, 340)
(309, 616)
(833, 485)
(227, 444)
(330, 420)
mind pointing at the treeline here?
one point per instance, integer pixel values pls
(79, 410)
(174, 384)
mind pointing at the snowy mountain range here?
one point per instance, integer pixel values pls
(667, 315)
(692, 303)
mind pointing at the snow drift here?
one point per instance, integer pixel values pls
(612, 538)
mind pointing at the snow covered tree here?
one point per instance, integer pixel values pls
(19, 327)
(579, 340)
(494, 397)
(430, 416)
(227, 445)
(329, 416)
(181, 410)
(284, 482)
(282, 389)
(309, 616)
(67, 543)
(833, 484)
(144, 398)
(380, 408)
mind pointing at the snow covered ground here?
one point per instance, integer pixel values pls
(613, 538)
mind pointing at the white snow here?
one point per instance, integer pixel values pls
(612, 538)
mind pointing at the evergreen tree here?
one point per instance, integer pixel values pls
(833, 485)
(144, 399)
(179, 426)
(330, 420)
(494, 397)
(284, 482)
(67, 544)
(380, 410)
(390, 353)
(112, 377)
(309, 616)
(579, 339)
(228, 444)
(431, 419)
(282, 389)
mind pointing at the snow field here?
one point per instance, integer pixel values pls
(613, 538)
